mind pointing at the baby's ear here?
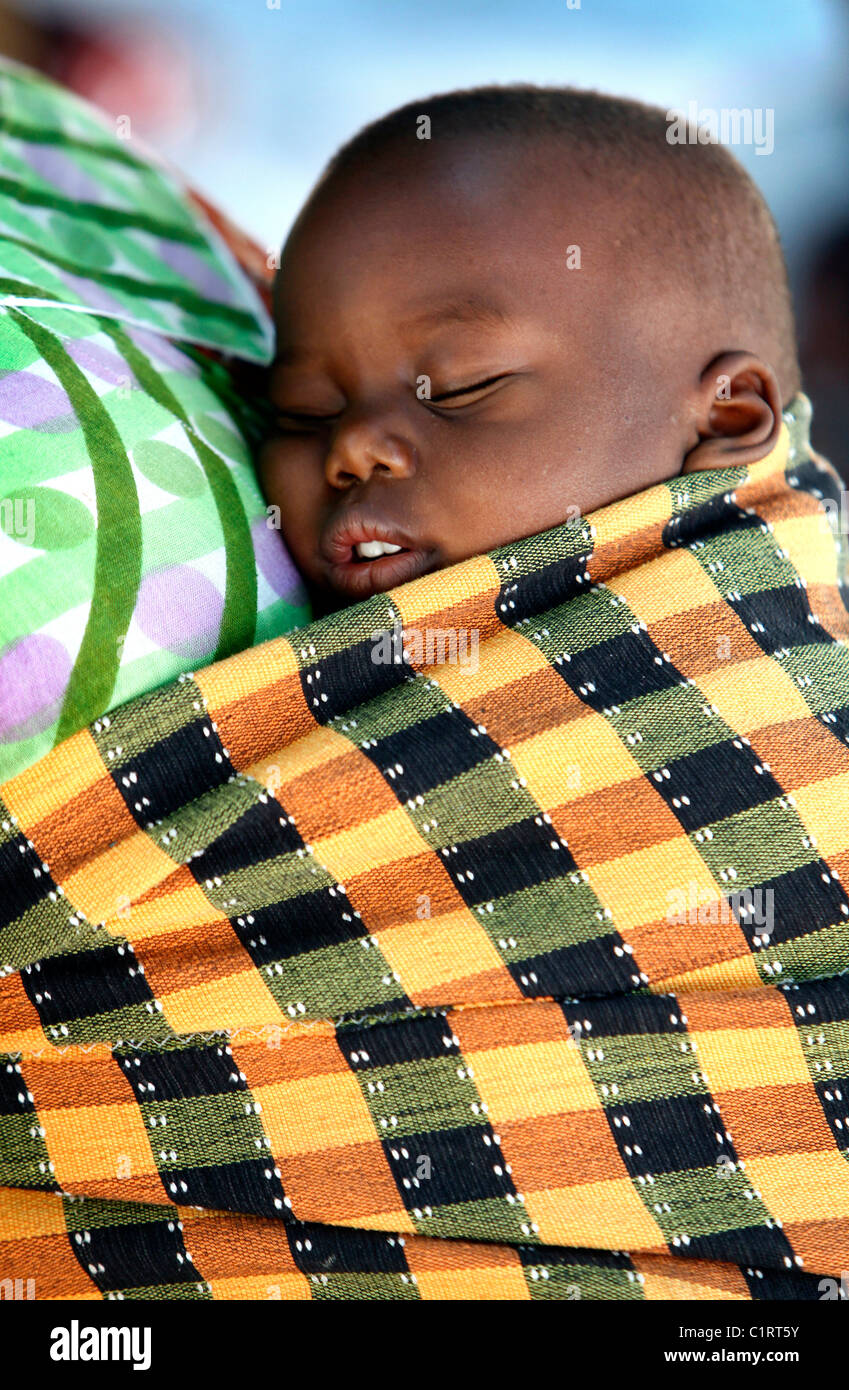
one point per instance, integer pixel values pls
(738, 413)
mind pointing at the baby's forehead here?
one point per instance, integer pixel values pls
(472, 178)
(483, 227)
(533, 222)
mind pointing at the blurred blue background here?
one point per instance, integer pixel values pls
(250, 97)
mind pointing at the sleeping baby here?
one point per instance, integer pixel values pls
(505, 307)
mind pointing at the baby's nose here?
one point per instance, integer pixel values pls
(362, 449)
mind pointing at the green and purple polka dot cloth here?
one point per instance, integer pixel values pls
(134, 540)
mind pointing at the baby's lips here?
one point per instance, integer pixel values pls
(354, 527)
(360, 579)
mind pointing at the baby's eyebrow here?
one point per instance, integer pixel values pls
(469, 308)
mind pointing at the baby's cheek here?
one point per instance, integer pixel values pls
(270, 467)
(294, 488)
(278, 477)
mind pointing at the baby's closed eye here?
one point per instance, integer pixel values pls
(465, 395)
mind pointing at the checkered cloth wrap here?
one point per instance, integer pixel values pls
(333, 978)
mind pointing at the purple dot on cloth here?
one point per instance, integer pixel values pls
(34, 675)
(60, 171)
(200, 274)
(274, 561)
(180, 610)
(34, 402)
(100, 362)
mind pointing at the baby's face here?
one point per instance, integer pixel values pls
(465, 357)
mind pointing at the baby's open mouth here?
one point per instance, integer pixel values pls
(365, 553)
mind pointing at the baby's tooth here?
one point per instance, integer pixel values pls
(370, 550)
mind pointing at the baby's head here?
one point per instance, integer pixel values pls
(541, 307)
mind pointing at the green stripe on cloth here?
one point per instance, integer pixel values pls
(105, 149)
(179, 295)
(238, 620)
(119, 548)
(100, 213)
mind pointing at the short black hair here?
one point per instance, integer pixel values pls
(715, 224)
